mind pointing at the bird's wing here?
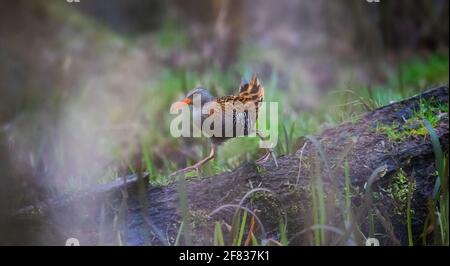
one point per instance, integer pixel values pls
(237, 111)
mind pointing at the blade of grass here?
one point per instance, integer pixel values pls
(184, 206)
(286, 138)
(367, 204)
(316, 214)
(234, 226)
(291, 135)
(283, 234)
(180, 230)
(300, 164)
(236, 206)
(409, 211)
(348, 196)
(250, 235)
(218, 235)
(254, 241)
(438, 156)
(319, 194)
(241, 229)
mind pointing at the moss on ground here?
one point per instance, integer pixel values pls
(398, 191)
(414, 125)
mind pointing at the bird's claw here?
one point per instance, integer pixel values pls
(263, 159)
(186, 170)
(274, 159)
(266, 157)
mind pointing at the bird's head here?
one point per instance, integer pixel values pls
(189, 99)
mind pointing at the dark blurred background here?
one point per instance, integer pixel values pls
(85, 87)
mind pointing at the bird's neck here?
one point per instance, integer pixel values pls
(197, 114)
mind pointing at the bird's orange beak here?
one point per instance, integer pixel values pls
(182, 103)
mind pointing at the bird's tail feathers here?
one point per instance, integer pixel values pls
(252, 90)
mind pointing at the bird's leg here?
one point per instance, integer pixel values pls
(196, 167)
(269, 152)
(211, 155)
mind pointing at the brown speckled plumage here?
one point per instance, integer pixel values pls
(250, 96)
(245, 107)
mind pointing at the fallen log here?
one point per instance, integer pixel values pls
(282, 196)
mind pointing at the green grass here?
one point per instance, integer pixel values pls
(218, 235)
(440, 202)
(171, 37)
(348, 194)
(318, 195)
(409, 211)
(342, 104)
(420, 72)
(400, 188)
(414, 125)
(335, 108)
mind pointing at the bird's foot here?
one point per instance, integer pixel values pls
(263, 159)
(188, 169)
(266, 157)
(184, 171)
